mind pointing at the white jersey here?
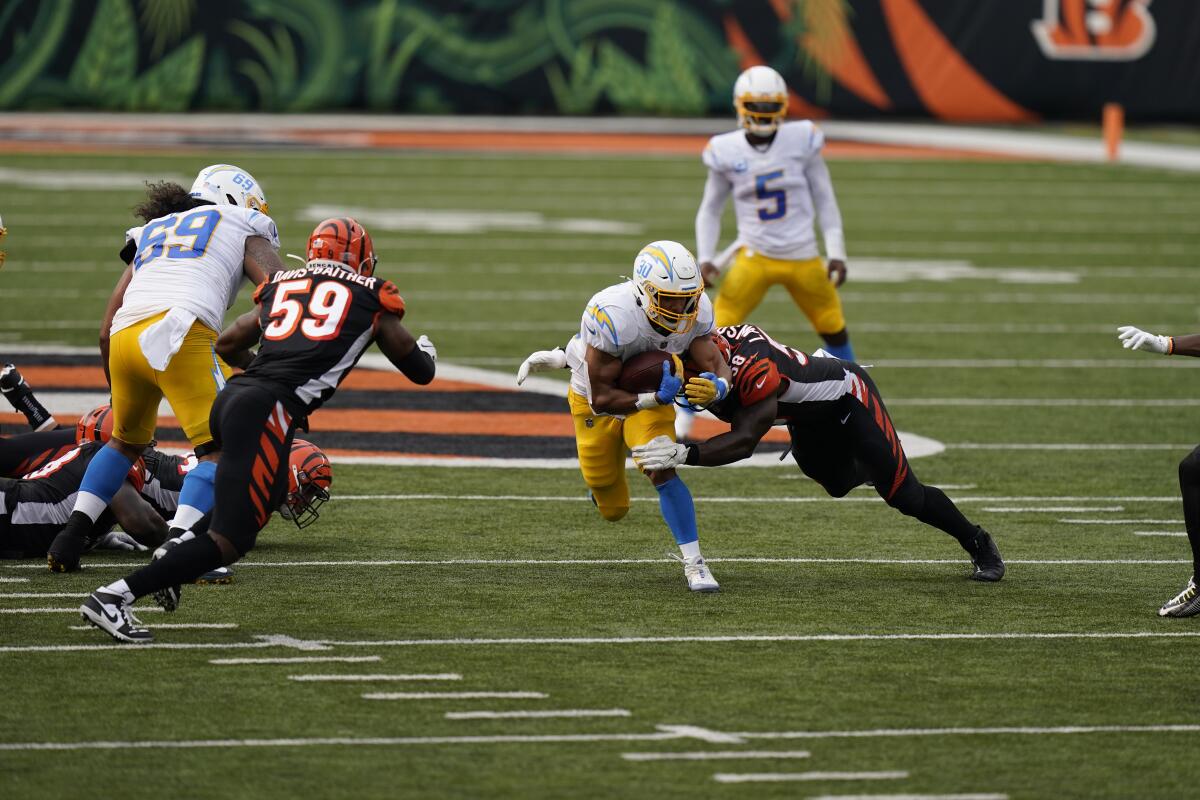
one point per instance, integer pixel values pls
(615, 324)
(777, 194)
(191, 261)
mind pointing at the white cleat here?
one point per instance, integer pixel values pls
(698, 576)
(110, 613)
(1184, 604)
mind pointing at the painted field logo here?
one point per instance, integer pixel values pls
(1095, 30)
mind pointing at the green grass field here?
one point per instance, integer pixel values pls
(987, 297)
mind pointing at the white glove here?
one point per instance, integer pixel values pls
(1134, 339)
(660, 453)
(119, 540)
(541, 361)
(426, 346)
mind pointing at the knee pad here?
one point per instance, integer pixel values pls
(611, 502)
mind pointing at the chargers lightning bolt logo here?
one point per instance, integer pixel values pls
(604, 322)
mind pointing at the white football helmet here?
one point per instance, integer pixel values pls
(668, 286)
(225, 184)
(761, 98)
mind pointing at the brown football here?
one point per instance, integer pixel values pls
(643, 372)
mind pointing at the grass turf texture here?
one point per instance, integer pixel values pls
(1127, 237)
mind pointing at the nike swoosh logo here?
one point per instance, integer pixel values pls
(845, 418)
(591, 330)
(759, 385)
(112, 617)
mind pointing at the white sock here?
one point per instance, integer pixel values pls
(121, 588)
(90, 504)
(186, 517)
(691, 549)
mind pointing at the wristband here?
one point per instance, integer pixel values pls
(1170, 345)
(647, 400)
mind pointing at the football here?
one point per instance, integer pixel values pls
(643, 372)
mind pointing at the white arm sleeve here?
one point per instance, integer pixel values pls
(708, 217)
(821, 186)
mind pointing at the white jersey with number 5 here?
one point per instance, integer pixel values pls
(191, 260)
(615, 324)
(777, 192)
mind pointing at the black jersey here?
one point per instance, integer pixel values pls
(26, 452)
(803, 385)
(37, 506)
(317, 322)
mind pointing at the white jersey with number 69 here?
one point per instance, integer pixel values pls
(190, 260)
(778, 192)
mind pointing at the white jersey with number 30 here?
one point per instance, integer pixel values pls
(191, 260)
(615, 324)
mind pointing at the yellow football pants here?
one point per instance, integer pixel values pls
(602, 441)
(752, 274)
(190, 383)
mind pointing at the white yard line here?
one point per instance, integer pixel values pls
(73, 610)
(664, 733)
(714, 755)
(1052, 509)
(1057, 402)
(175, 626)
(81, 596)
(440, 676)
(568, 562)
(780, 777)
(565, 713)
(454, 695)
(1054, 447)
(1160, 533)
(14, 580)
(1122, 521)
(296, 660)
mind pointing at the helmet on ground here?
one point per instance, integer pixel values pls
(761, 98)
(309, 477)
(227, 185)
(95, 425)
(343, 241)
(668, 286)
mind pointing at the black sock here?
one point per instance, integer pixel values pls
(182, 564)
(22, 400)
(940, 512)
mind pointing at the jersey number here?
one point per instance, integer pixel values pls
(765, 192)
(54, 466)
(320, 321)
(170, 235)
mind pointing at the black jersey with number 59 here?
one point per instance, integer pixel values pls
(317, 322)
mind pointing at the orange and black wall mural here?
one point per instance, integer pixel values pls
(977, 60)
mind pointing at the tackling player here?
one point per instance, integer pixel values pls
(662, 308)
(186, 264)
(1187, 602)
(314, 324)
(841, 434)
(780, 185)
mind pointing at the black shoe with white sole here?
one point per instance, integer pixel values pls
(986, 563)
(110, 613)
(1184, 604)
(168, 598)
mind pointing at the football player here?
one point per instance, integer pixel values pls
(34, 508)
(314, 324)
(1187, 602)
(841, 434)
(780, 185)
(663, 307)
(20, 396)
(185, 266)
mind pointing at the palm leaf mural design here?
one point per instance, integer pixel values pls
(166, 21)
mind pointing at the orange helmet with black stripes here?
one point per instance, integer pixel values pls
(95, 426)
(309, 477)
(342, 240)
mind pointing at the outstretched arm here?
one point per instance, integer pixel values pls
(749, 425)
(1136, 339)
(829, 215)
(114, 304)
(416, 358)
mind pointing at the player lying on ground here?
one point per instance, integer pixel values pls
(185, 266)
(314, 324)
(1187, 602)
(841, 434)
(663, 308)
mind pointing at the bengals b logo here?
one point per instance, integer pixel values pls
(1095, 30)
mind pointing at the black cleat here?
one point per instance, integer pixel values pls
(64, 552)
(20, 396)
(986, 563)
(110, 613)
(220, 575)
(168, 598)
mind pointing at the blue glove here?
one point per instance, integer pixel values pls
(669, 387)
